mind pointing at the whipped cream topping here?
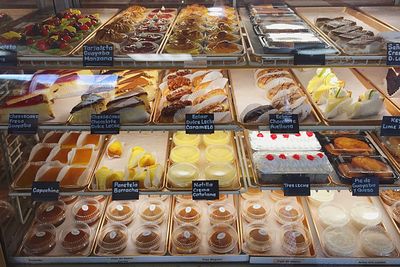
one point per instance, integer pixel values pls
(303, 141)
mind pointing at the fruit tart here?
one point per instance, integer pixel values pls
(144, 47)
(224, 47)
(223, 36)
(188, 47)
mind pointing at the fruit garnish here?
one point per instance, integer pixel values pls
(297, 134)
(269, 157)
(260, 135)
(321, 155)
(11, 35)
(84, 20)
(309, 134)
(282, 156)
(310, 157)
(285, 136)
(296, 156)
(70, 29)
(274, 136)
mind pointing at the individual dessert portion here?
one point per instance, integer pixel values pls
(331, 214)
(288, 211)
(153, 211)
(339, 241)
(222, 238)
(186, 239)
(364, 214)
(259, 238)
(147, 238)
(56, 35)
(349, 36)
(51, 212)
(377, 242)
(264, 140)
(220, 212)
(75, 238)
(39, 240)
(395, 212)
(390, 196)
(127, 159)
(255, 210)
(190, 212)
(392, 82)
(113, 238)
(194, 91)
(335, 100)
(202, 30)
(87, 211)
(121, 212)
(296, 239)
(321, 197)
(282, 94)
(347, 145)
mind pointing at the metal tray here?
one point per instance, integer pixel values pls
(228, 90)
(388, 15)
(276, 251)
(309, 14)
(245, 92)
(130, 249)
(203, 163)
(204, 224)
(343, 198)
(153, 142)
(92, 166)
(57, 254)
(354, 83)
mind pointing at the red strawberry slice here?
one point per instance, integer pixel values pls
(309, 134)
(321, 155)
(310, 157)
(297, 134)
(274, 136)
(282, 156)
(296, 156)
(260, 135)
(269, 157)
(285, 136)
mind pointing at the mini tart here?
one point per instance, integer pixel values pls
(120, 211)
(186, 239)
(224, 47)
(113, 238)
(222, 238)
(255, 210)
(75, 238)
(40, 240)
(258, 238)
(295, 239)
(187, 212)
(222, 213)
(152, 211)
(183, 47)
(144, 47)
(288, 211)
(147, 238)
(87, 211)
(223, 36)
(51, 212)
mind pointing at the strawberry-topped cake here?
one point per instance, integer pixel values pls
(302, 141)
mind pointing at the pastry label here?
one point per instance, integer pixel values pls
(75, 232)
(188, 209)
(125, 190)
(8, 55)
(98, 55)
(199, 124)
(393, 54)
(296, 186)
(309, 59)
(221, 236)
(105, 124)
(283, 123)
(186, 234)
(45, 191)
(365, 186)
(205, 190)
(23, 123)
(40, 234)
(390, 126)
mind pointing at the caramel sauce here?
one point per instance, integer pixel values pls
(41, 154)
(62, 155)
(27, 177)
(53, 138)
(82, 156)
(72, 176)
(91, 139)
(50, 175)
(71, 140)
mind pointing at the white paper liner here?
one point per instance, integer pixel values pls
(42, 170)
(83, 136)
(80, 180)
(37, 147)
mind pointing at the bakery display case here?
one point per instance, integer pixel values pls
(271, 197)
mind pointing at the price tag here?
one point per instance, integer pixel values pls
(294, 186)
(105, 124)
(365, 187)
(98, 55)
(45, 191)
(23, 123)
(199, 123)
(283, 123)
(390, 126)
(8, 55)
(309, 59)
(125, 190)
(393, 54)
(205, 190)
(196, 62)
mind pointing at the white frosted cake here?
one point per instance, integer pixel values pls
(264, 140)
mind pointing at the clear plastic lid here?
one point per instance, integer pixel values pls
(288, 211)
(52, 212)
(221, 212)
(75, 238)
(121, 211)
(40, 239)
(182, 174)
(295, 238)
(277, 195)
(350, 145)
(395, 211)
(187, 212)
(222, 238)
(350, 166)
(181, 138)
(225, 173)
(52, 137)
(183, 198)
(186, 239)
(339, 241)
(6, 212)
(222, 198)
(86, 210)
(376, 242)
(259, 237)
(217, 138)
(219, 153)
(147, 238)
(321, 196)
(152, 210)
(255, 210)
(252, 192)
(190, 154)
(331, 214)
(113, 238)
(364, 214)
(68, 199)
(390, 196)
